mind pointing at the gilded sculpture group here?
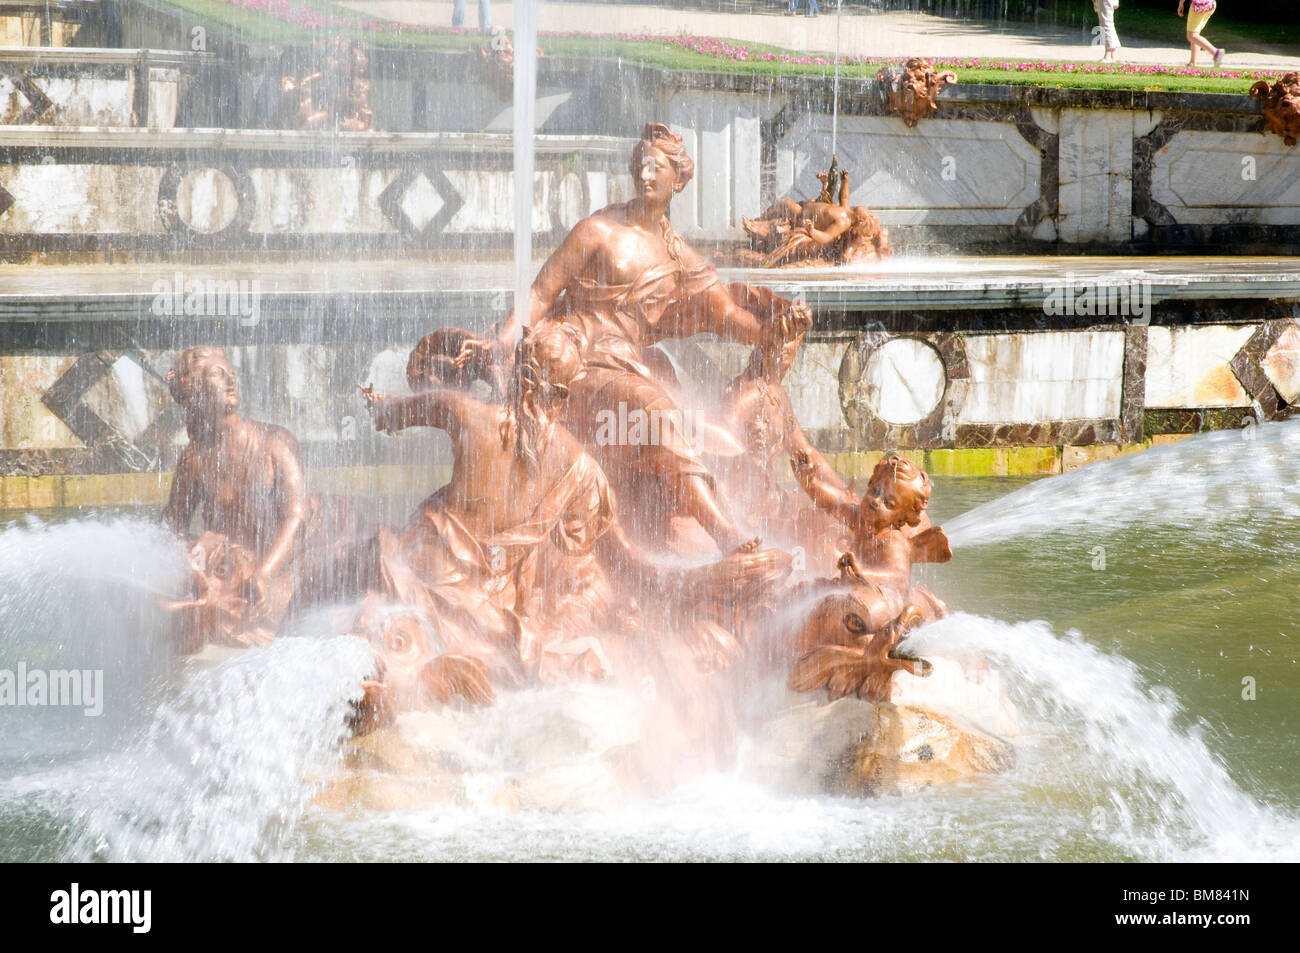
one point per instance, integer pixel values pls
(551, 555)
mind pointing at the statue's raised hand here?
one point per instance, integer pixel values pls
(474, 352)
(383, 409)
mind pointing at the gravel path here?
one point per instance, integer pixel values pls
(891, 34)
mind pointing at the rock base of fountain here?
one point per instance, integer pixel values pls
(576, 748)
(859, 748)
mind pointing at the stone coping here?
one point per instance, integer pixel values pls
(20, 494)
(292, 140)
(559, 69)
(86, 56)
(466, 290)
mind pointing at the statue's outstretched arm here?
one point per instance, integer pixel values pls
(714, 311)
(819, 479)
(439, 407)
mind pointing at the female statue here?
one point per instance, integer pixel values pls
(622, 281)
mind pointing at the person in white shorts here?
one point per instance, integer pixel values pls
(1106, 15)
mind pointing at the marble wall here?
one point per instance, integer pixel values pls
(107, 411)
(995, 169)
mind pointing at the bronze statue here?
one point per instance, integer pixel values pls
(913, 92)
(849, 643)
(621, 281)
(1281, 106)
(559, 550)
(520, 562)
(759, 412)
(335, 96)
(265, 540)
(820, 232)
(498, 65)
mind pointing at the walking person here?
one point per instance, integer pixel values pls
(1197, 17)
(484, 14)
(813, 9)
(1109, 36)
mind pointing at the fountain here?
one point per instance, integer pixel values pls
(643, 614)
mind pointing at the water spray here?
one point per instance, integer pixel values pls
(525, 106)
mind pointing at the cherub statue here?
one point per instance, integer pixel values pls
(850, 642)
(821, 231)
(759, 411)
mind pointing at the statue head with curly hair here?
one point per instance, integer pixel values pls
(546, 364)
(203, 381)
(660, 166)
(897, 493)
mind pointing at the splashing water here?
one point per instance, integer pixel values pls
(84, 596)
(213, 770)
(223, 764)
(223, 771)
(1150, 787)
(1205, 486)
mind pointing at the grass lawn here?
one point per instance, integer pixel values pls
(304, 21)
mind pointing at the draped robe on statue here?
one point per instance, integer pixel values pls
(508, 599)
(614, 325)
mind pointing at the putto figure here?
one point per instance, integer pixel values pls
(850, 641)
(818, 232)
(758, 410)
(335, 96)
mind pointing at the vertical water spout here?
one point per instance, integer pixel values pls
(525, 107)
(835, 105)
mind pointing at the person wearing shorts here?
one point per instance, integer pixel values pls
(1109, 35)
(1197, 17)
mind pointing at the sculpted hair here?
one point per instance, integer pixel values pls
(546, 363)
(191, 363)
(864, 223)
(897, 470)
(657, 135)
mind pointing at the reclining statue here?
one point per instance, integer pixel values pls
(821, 231)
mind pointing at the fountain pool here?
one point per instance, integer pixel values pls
(1141, 613)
